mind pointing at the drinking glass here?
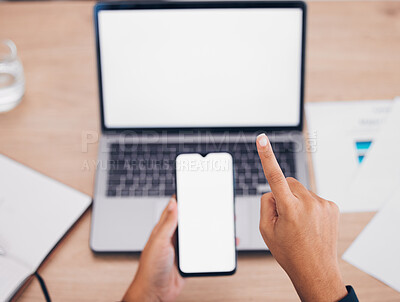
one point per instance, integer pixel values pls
(12, 81)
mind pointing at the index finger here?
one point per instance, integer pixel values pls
(272, 170)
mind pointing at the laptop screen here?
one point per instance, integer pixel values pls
(177, 68)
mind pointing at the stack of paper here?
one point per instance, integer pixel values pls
(344, 132)
(376, 250)
(379, 175)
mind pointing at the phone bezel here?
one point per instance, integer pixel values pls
(207, 274)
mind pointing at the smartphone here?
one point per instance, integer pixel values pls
(206, 244)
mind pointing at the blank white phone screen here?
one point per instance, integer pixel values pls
(206, 225)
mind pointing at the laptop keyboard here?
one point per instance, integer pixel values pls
(148, 169)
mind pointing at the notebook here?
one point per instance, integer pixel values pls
(35, 213)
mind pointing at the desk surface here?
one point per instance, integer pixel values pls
(352, 53)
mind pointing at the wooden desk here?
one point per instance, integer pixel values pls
(353, 52)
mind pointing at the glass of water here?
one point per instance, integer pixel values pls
(12, 81)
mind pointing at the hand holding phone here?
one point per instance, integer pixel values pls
(206, 214)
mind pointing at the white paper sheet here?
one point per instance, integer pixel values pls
(379, 175)
(35, 212)
(343, 133)
(376, 250)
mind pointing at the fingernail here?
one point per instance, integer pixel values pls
(262, 140)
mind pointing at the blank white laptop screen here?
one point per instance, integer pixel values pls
(201, 67)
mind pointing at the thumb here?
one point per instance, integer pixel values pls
(268, 215)
(169, 219)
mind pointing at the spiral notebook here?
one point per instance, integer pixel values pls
(35, 213)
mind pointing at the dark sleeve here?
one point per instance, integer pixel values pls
(351, 295)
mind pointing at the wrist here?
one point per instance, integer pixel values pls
(139, 292)
(323, 285)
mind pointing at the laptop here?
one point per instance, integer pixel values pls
(178, 77)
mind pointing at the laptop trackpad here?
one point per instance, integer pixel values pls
(247, 223)
(242, 223)
(159, 208)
